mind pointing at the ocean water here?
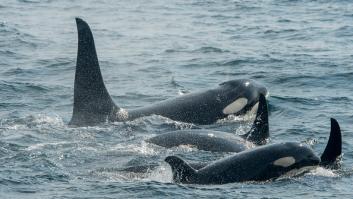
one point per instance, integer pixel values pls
(302, 51)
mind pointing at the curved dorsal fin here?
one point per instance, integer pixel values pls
(92, 102)
(259, 131)
(182, 172)
(334, 145)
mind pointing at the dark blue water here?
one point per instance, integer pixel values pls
(153, 50)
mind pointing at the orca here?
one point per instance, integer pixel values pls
(93, 104)
(259, 164)
(144, 168)
(218, 141)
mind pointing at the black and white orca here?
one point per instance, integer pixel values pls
(93, 105)
(218, 141)
(259, 164)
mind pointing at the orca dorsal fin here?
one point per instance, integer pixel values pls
(259, 131)
(182, 172)
(92, 102)
(334, 145)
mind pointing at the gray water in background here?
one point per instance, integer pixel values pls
(153, 50)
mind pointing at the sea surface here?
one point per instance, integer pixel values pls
(152, 50)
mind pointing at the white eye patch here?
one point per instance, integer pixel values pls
(236, 106)
(253, 110)
(284, 162)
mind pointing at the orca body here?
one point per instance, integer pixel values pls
(258, 164)
(201, 139)
(148, 167)
(93, 105)
(218, 141)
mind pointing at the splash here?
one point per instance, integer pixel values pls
(177, 124)
(144, 148)
(43, 145)
(320, 171)
(296, 172)
(184, 148)
(32, 121)
(42, 119)
(162, 173)
(248, 116)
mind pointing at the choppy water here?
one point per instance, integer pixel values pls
(152, 50)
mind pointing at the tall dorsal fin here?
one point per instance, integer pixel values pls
(334, 145)
(92, 102)
(259, 131)
(182, 172)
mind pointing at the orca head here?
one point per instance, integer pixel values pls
(241, 95)
(293, 158)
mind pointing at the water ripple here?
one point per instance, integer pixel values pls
(300, 50)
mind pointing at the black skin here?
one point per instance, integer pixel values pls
(251, 165)
(334, 146)
(218, 141)
(202, 139)
(205, 107)
(148, 167)
(258, 164)
(93, 104)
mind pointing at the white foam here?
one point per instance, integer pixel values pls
(320, 171)
(182, 92)
(143, 149)
(122, 114)
(15, 127)
(39, 120)
(42, 145)
(162, 173)
(177, 124)
(296, 172)
(248, 116)
(45, 119)
(210, 135)
(232, 118)
(187, 148)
